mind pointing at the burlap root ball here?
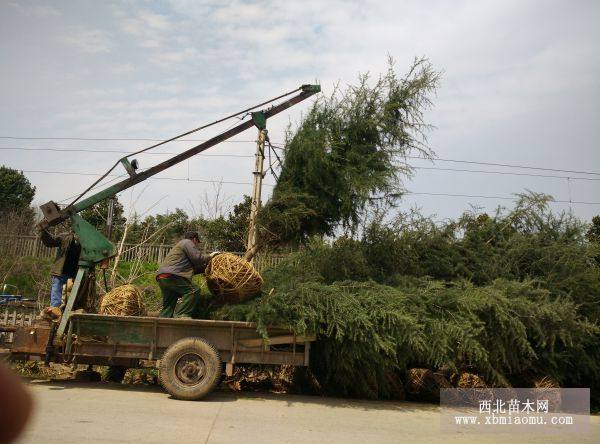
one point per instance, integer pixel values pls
(550, 390)
(424, 385)
(480, 388)
(232, 279)
(125, 300)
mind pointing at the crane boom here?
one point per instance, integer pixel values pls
(95, 248)
(53, 215)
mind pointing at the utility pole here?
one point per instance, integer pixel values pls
(256, 191)
(109, 228)
(110, 216)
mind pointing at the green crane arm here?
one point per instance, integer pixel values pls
(53, 215)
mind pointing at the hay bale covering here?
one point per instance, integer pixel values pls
(424, 385)
(232, 279)
(470, 380)
(550, 390)
(466, 380)
(125, 300)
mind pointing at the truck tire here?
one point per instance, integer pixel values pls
(190, 369)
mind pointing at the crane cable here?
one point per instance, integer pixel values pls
(247, 110)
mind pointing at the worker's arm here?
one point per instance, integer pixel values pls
(198, 260)
(50, 240)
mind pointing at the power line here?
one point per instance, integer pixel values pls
(105, 139)
(506, 165)
(84, 150)
(477, 196)
(74, 173)
(437, 159)
(508, 173)
(497, 197)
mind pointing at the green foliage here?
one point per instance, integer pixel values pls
(593, 233)
(222, 233)
(165, 227)
(501, 331)
(16, 192)
(511, 297)
(27, 276)
(97, 216)
(231, 233)
(347, 150)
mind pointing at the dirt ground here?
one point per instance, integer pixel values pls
(74, 412)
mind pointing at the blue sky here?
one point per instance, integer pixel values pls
(521, 85)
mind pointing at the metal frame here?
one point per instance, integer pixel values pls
(146, 338)
(120, 340)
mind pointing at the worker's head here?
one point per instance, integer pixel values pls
(193, 236)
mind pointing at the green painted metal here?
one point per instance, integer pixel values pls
(94, 246)
(96, 198)
(129, 167)
(94, 249)
(118, 331)
(313, 89)
(260, 120)
(82, 275)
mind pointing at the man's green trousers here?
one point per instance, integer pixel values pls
(192, 303)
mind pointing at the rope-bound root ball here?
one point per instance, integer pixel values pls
(479, 392)
(423, 384)
(125, 300)
(232, 279)
(550, 390)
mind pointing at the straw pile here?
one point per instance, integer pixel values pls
(125, 300)
(232, 279)
(550, 390)
(425, 385)
(472, 381)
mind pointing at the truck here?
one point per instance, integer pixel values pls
(191, 355)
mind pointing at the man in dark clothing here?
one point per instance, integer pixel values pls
(174, 278)
(65, 264)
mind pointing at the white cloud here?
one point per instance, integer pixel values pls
(520, 78)
(149, 29)
(36, 10)
(123, 68)
(173, 58)
(91, 41)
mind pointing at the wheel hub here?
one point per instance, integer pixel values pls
(190, 369)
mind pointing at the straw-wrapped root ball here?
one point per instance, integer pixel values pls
(232, 279)
(125, 300)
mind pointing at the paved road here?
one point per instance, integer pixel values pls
(74, 412)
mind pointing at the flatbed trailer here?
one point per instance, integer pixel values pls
(190, 354)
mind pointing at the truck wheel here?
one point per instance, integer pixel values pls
(190, 368)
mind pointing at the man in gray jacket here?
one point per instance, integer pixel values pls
(174, 278)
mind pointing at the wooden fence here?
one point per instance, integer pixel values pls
(32, 246)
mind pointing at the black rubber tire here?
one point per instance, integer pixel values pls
(183, 358)
(115, 373)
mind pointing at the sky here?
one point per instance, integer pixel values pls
(520, 86)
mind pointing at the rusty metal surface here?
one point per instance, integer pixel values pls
(168, 321)
(116, 337)
(31, 340)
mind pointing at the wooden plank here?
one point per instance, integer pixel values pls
(289, 339)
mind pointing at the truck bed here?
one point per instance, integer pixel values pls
(117, 340)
